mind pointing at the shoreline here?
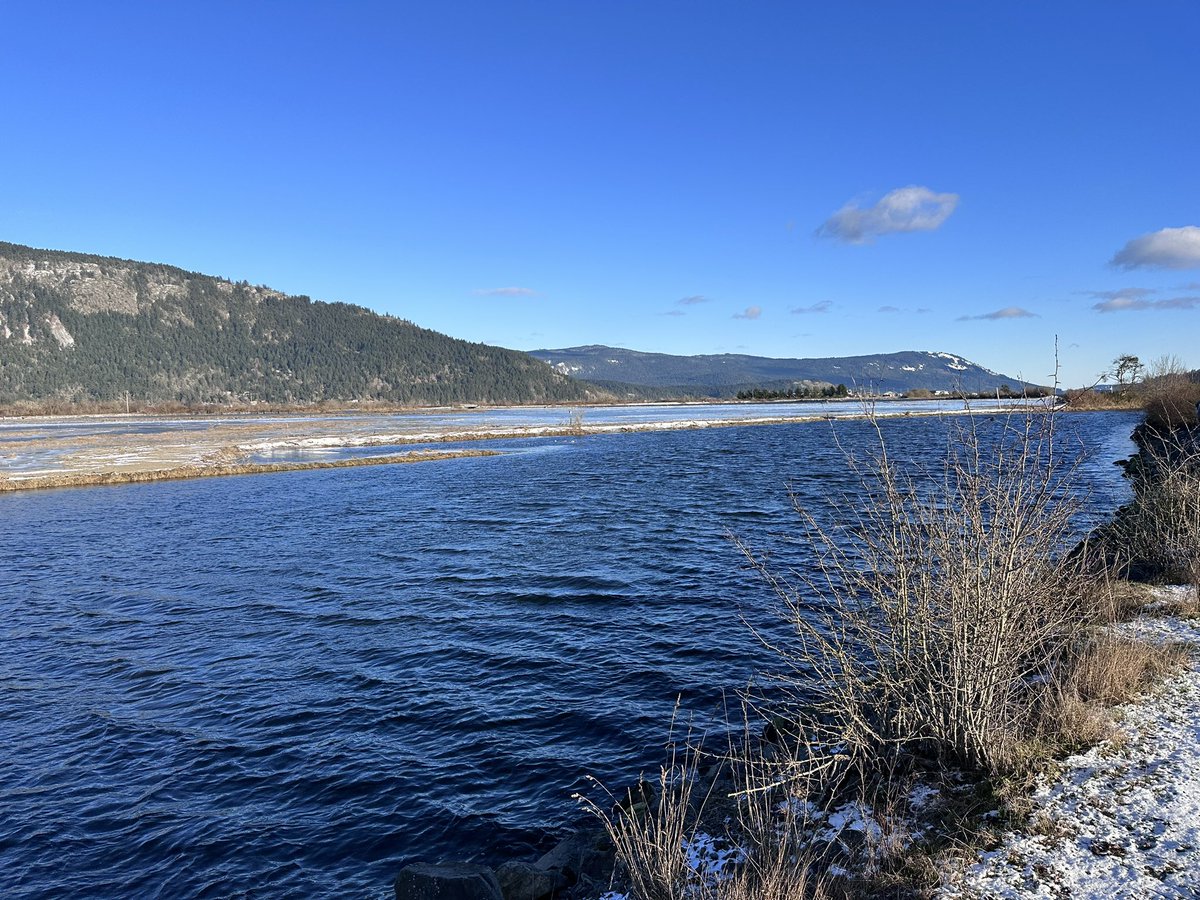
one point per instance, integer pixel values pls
(9, 415)
(229, 446)
(1123, 814)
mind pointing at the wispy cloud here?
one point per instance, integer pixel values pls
(751, 312)
(889, 309)
(674, 312)
(912, 208)
(821, 306)
(1009, 312)
(1138, 299)
(1122, 295)
(1168, 248)
(506, 292)
(693, 300)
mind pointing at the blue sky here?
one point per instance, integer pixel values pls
(812, 179)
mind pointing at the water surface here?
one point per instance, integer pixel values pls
(291, 684)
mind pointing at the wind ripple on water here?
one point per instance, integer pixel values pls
(289, 685)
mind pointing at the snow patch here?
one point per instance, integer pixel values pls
(710, 858)
(1123, 819)
(852, 817)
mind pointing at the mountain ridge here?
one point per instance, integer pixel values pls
(723, 373)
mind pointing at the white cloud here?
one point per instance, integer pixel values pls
(1009, 312)
(822, 306)
(751, 312)
(912, 208)
(1135, 299)
(693, 300)
(506, 292)
(1169, 248)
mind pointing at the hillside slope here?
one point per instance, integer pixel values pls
(80, 328)
(725, 373)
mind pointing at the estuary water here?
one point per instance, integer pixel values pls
(292, 684)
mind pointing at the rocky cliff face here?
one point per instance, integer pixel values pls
(75, 327)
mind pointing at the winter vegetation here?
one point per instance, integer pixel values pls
(952, 645)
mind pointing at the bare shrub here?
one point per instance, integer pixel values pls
(574, 422)
(1170, 402)
(938, 608)
(1160, 530)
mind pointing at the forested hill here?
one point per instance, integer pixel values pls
(79, 328)
(726, 374)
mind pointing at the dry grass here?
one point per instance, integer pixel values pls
(1118, 600)
(1114, 668)
(736, 801)
(183, 473)
(1159, 531)
(1087, 399)
(1106, 669)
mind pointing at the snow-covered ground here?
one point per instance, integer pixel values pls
(1122, 820)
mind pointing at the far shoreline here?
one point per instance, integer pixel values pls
(369, 408)
(232, 446)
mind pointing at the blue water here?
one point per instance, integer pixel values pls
(292, 684)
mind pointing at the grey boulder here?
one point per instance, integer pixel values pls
(447, 881)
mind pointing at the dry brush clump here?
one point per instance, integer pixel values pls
(1108, 668)
(1158, 533)
(1170, 395)
(938, 607)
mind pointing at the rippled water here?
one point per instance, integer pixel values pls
(291, 684)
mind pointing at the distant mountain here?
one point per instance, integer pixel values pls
(727, 373)
(75, 327)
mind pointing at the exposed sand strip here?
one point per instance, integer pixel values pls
(83, 479)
